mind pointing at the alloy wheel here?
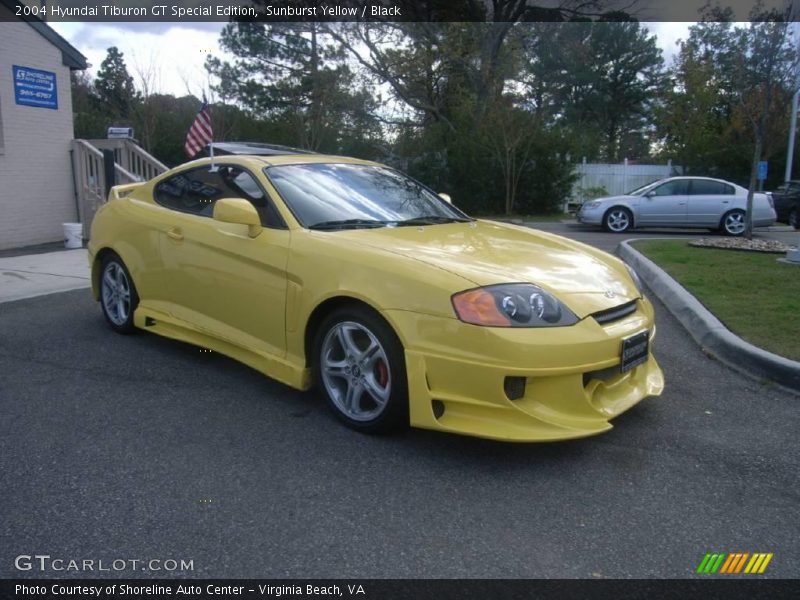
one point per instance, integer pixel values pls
(618, 220)
(116, 293)
(355, 371)
(734, 223)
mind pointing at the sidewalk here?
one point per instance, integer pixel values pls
(47, 273)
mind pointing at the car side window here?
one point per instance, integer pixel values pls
(672, 188)
(704, 187)
(195, 192)
(192, 191)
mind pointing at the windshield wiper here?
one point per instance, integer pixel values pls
(347, 224)
(432, 220)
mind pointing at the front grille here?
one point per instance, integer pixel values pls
(616, 313)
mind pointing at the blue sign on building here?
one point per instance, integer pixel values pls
(34, 87)
(762, 170)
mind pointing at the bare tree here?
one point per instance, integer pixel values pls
(147, 77)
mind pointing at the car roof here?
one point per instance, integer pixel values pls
(257, 162)
(254, 149)
(699, 177)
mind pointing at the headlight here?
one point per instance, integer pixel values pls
(512, 305)
(636, 281)
(592, 204)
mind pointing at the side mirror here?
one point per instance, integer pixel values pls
(238, 210)
(446, 197)
(650, 194)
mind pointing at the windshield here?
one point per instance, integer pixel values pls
(642, 189)
(343, 196)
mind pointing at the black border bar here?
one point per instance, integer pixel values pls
(710, 588)
(373, 10)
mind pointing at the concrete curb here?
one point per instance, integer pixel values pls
(707, 330)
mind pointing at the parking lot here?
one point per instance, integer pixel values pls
(143, 448)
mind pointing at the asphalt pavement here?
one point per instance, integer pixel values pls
(139, 448)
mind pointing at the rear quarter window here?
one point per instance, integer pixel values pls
(704, 187)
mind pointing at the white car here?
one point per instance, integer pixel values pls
(699, 202)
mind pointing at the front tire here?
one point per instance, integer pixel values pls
(733, 223)
(118, 297)
(794, 219)
(618, 220)
(360, 368)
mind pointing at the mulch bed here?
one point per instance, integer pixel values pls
(740, 243)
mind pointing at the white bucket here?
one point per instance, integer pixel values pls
(73, 235)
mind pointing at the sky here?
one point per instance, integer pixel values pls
(172, 55)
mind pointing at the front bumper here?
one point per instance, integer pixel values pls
(573, 387)
(590, 216)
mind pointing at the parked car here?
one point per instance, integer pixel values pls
(697, 202)
(787, 203)
(400, 307)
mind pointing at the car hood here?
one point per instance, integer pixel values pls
(485, 253)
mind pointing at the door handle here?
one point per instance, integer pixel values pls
(175, 233)
(726, 201)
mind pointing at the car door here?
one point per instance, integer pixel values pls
(779, 199)
(664, 205)
(222, 281)
(708, 201)
(786, 198)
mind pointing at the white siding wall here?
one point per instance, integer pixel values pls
(36, 191)
(616, 178)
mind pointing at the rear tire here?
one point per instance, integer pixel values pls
(794, 219)
(359, 365)
(118, 297)
(733, 223)
(618, 220)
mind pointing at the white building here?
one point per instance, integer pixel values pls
(37, 193)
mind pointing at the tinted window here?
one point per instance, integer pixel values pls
(672, 188)
(197, 190)
(704, 187)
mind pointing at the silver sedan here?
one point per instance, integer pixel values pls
(699, 202)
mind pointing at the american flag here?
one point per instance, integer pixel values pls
(200, 132)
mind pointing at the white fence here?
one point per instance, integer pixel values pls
(615, 179)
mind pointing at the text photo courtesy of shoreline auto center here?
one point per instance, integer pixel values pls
(393, 299)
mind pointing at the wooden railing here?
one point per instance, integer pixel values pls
(132, 158)
(131, 165)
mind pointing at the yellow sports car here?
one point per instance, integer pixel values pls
(347, 274)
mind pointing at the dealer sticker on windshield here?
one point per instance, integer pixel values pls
(635, 351)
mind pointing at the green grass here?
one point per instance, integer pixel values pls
(755, 296)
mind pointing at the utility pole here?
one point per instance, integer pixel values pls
(795, 100)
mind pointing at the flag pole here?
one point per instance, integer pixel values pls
(211, 143)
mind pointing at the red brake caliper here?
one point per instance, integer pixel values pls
(383, 373)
